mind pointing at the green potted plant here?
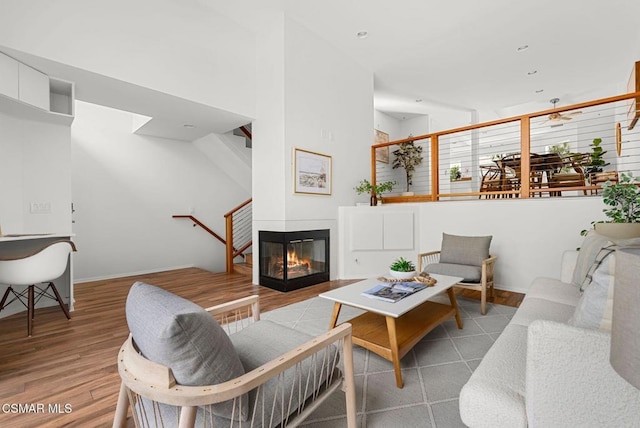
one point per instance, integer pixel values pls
(407, 156)
(375, 190)
(597, 162)
(402, 269)
(454, 173)
(623, 208)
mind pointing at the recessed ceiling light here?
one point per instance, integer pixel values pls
(362, 34)
(532, 72)
(539, 91)
(522, 48)
(188, 125)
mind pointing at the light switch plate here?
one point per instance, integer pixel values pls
(40, 208)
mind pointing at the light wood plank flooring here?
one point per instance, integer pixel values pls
(73, 362)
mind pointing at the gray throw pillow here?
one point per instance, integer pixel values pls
(464, 250)
(181, 335)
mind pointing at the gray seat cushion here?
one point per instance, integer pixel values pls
(265, 341)
(469, 273)
(464, 250)
(181, 335)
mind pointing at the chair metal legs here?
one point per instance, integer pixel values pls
(59, 299)
(32, 299)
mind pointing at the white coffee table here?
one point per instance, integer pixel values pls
(393, 329)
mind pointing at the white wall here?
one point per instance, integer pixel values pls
(312, 97)
(415, 126)
(211, 60)
(529, 236)
(36, 168)
(388, 124)
(126, 187)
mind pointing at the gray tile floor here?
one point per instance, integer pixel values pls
(433, 372)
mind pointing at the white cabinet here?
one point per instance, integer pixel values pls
(370, 238)
(30, 94)
(34, 87)
(8, 76)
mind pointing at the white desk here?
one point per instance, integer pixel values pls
(12, 246)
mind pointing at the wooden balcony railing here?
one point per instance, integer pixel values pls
(564, 131)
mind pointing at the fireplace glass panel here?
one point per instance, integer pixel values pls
(303, 257)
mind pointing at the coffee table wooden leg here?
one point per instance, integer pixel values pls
(454, 304)
(334, 316)
(395, 354)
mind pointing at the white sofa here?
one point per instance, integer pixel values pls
(543, 372)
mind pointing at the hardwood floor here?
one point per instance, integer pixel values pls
(72, 363)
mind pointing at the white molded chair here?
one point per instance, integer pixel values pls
(42, 267)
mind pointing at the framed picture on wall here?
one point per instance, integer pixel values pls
(382, 153)
(312, 172)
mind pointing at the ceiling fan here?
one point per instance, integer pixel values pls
(557, 117)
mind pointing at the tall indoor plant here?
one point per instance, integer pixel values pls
(407, 156)
(597, 161)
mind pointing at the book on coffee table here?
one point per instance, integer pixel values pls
(392, 292)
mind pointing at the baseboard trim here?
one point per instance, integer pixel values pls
(124, 275)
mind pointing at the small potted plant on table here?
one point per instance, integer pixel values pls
(402, 269)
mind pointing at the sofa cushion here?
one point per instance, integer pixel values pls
(469, 273)
(595, 307)
(533, 308)
(591, 246)
(554, 290)
(181, 335)
(464, 250)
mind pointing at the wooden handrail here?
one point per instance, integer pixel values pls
(241, 250)
(199, 223)
(230, 251)
(247, 202)
(246, 132)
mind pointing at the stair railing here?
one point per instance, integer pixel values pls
(197, 222)
(239, 231)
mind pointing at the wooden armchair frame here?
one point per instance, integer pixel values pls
(142, 378)
(486, 280)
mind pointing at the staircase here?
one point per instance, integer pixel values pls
(246, 267)
(238, 240)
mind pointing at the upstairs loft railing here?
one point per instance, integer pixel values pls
(238, 228)
(542, 154)
(239, 231)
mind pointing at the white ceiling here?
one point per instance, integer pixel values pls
(458, 55)
(462, 54)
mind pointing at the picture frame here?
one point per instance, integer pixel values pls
(382, 153)
(311, 172)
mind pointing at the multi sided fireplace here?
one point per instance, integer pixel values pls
(292, 260)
